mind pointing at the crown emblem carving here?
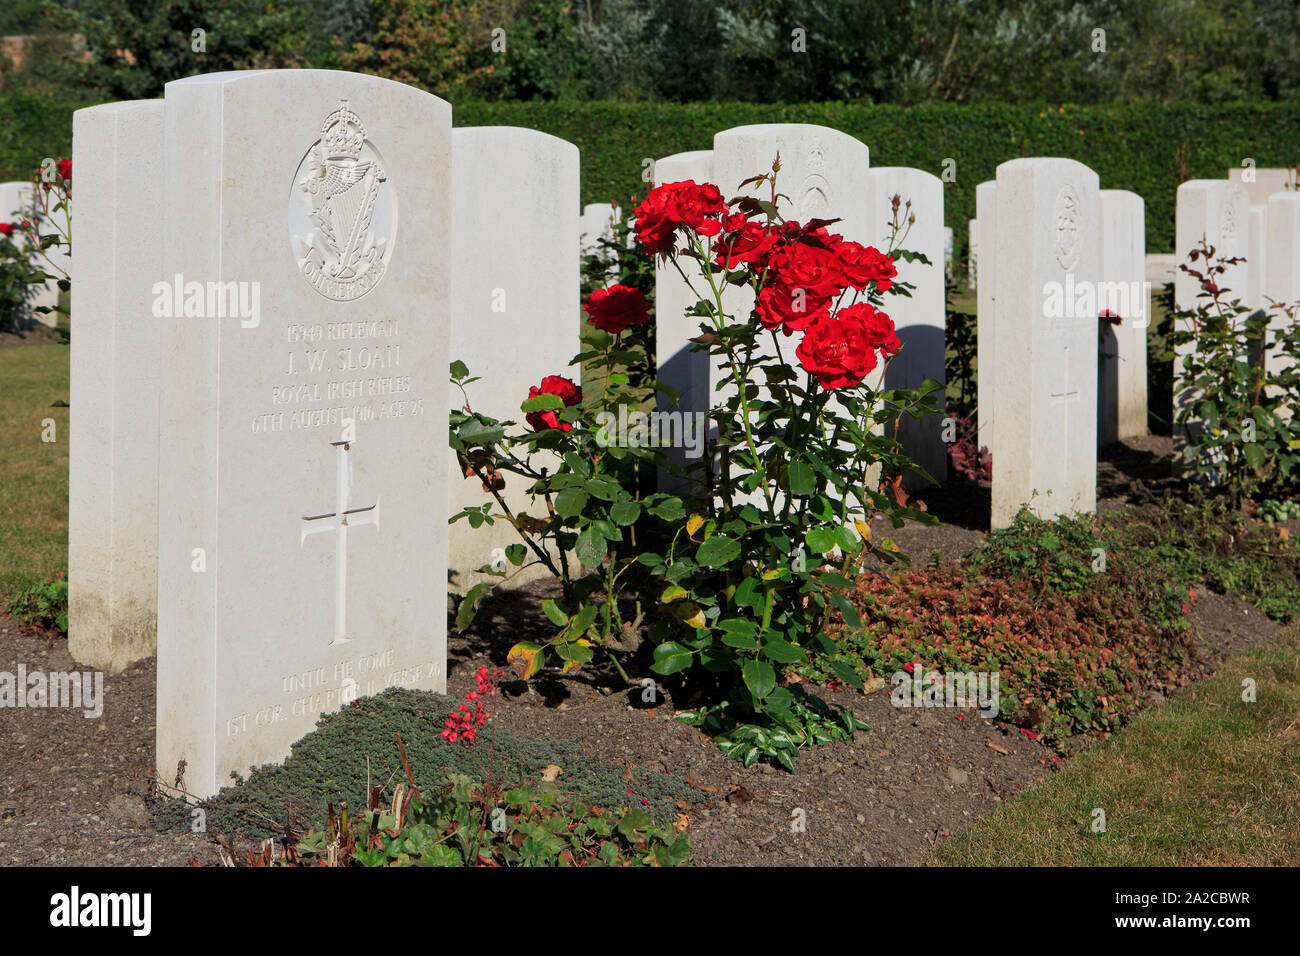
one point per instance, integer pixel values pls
(341, 224)
(342, 134)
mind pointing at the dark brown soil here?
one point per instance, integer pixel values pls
(73, 789)
(38, 335)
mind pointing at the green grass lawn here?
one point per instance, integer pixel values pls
(1202, 780)
(33, 472)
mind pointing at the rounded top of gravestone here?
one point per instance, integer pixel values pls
(518, 138)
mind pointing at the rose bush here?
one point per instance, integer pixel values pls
(1239, 378)
(27, 241)
(740, 563)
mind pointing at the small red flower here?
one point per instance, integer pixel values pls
(569, 391)
(65, 169)
(6, 228)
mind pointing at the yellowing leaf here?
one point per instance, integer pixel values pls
(693, 524)
(527, 658)
(864, 530)
(530, 525)
(689, 613)
(674, 593)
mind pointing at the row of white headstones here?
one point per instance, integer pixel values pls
(273, 271)
(16, 203)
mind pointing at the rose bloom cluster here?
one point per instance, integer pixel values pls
(465, 720)
(804, 272)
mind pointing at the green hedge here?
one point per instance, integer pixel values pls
(1148, 148)
(32, 128)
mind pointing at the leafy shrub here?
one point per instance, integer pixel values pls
(1240, 415)
(748, 553)
(15, 290)
(43, 603)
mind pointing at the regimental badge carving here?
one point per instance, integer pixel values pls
(342, 212)
(1234, 203)
(815, 196)
(1068, 228)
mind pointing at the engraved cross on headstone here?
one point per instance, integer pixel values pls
(339, 520)
(1063, 398)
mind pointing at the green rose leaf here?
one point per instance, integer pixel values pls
(625, 512)
(670, 657)
(759, 677)
(718, 551)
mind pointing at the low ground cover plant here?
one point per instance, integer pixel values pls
(356, 748)
(1082, 618)
(1074, 650)
(1201, 539)
(487, 817)
(43, 603)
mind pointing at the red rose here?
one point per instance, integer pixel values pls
(791, 310)
(811, 268)
(65, 169)
(878, 327)
(694, 204)
(743, 241)
(6, 228)
(863, 264)
(837, 350)
(673, 206)
(655, 227)
(553, 385)
(617, 307)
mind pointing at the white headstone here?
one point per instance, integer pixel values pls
(1256, 255)
(1262, 183)
(15, 199)
(824, 172)
(985, 230)
(679, 367)
(302, 483)
(1161, 267)
(1214, 210)
(918, 320)
(1045, 263)
(516, 310)
(596, 223)
(1282, 261)
(116, 358)
(1122, 364)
